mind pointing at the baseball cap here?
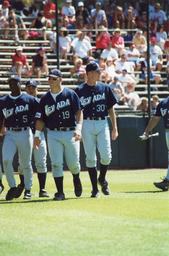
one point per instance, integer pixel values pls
(15, 77)
(41, 49)
(153, 39)
(31, 82)
(98, 4)
(6, 3)
(68, 1)
(80, 4)
(19, 48)
(124, 70)
(116, 77)
(93, 66)
(55, 73)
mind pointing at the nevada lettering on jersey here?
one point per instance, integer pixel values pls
(61, 104)
(21, 108)
(9, 112)
(97, 97)
(163, 111)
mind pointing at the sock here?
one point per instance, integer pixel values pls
(42, 180)
(103, 170)
(59, 184)
(167, 176)
(22, 180)
(93, 177)
(76, 178)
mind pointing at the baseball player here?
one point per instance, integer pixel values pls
(60, 111)
(39, 155)
(162, 110)
(16, 111)
(97, 101)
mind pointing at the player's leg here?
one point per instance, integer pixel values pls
(164, 184)
(56, 149)
(40, 156)
(104, 148)
(25, 154)
(21, 185)
(72, 154)
(8, 152)
(1, 185)
(89, 143)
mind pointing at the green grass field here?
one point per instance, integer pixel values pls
(132, 221)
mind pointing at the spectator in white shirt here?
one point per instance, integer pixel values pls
(110, 52)
(124, 64)
(81, 48)
(117, 89)
(161, 37)
(133, 54)
(68, 13)
(126, 79)
(156, 54)
(99, 16)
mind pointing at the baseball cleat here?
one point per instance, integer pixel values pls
(20, 189)
(78, 188)
(95, 194)
(27, 195)
(104, 187)
(1, 188)
(59, 196)
(12, 193)
(43, 193)
(164, 185)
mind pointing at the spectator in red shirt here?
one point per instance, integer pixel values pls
(49, 11)
(142, 21)
(102, 39)
(19, 63)
(118, 19)
(118, 41)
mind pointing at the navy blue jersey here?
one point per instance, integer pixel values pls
(18, 112)
(162, 110)
(96, 100)
(33, 118)
(59, 113)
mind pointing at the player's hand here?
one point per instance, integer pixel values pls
(77, 135)
(114, 134)
(36, 142)
(3, 130)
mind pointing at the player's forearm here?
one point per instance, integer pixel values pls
(113, 118)
(152, 123)
(39, 125)
(79, 117)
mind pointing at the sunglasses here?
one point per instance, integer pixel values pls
(53, 78)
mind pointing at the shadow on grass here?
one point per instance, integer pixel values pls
(14, 201)
(140, 192)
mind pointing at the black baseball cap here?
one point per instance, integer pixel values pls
(55, 73)
(124, 70)
(93, 66)
(15, 77)
(31, 82)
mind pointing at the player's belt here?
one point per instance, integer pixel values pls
(96, 118)
(64, 129)
(19, 129)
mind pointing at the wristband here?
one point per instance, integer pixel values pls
(79, 127)
(38, 133)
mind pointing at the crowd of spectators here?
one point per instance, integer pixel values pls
(104, 33)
